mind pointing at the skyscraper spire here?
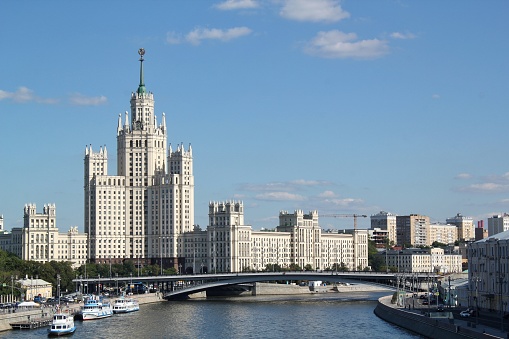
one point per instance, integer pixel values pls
(141, 87)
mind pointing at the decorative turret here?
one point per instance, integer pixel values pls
(119, 125)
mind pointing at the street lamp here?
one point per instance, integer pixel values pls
(449, 294)
(180, 268)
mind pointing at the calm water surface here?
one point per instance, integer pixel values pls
(307, 316)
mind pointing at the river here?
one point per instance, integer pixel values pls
(330, 315)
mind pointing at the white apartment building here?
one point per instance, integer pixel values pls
(488, 273)
(465, 226)
(442, 233)
(228, 245)
(141, 212)
(385, 221)
(498, 224)
(419, 260)
(39, 239)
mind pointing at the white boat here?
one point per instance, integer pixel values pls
(62, 324)
(94, 309)
(125, 305)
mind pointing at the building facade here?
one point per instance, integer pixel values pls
(488, 273)
(419, 260)
(498, 224)
(141, 212)
(465, 226)
(385, 221)
(442, 233)
(40, 240)
(413, 230)
(228, 245)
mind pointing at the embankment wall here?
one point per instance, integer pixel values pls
(429, 327)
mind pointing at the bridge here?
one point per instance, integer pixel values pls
(178, 286)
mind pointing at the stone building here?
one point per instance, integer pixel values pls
(40, 240)
(419, 260)
(142, 212)
(228, 245)
(488, 272)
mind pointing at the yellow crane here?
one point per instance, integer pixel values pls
(354, 235)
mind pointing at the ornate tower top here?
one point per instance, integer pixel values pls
(141, 87)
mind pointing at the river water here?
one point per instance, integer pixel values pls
(331, 315)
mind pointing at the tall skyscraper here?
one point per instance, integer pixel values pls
(139, 213)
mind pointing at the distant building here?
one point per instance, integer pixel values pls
(498, 224)
(39, 239)
(480, 232)
(415, 260)
(1, 223)
(228, 245)
(33, 286)
(488, 272)
(465, 226)
(379, 237)
(385, 221)
(442, 233)
(413, 230)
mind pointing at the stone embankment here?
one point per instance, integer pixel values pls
(417, 322)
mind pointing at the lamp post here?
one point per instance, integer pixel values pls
(58, 288)
(449, 294)
(476, 300)
(12, 288)
(180, 268)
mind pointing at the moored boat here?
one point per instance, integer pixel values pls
(95, 309)
(62, 324)
(125, 305)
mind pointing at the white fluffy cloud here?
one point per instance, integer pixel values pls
(197, 35)
(336, 44)
(284, 196)
(463, 176)
(313, 10)
(236, 4)
(403, 36)
(24, 95)
(81, 100)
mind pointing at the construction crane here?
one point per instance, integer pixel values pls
(354, 235)
(354, 216)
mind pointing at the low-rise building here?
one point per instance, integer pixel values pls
(33, 286)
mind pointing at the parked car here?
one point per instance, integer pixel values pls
(467, 313)
(440, 308)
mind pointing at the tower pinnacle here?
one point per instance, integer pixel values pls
(141, 87)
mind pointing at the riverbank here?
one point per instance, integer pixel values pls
(439, 325)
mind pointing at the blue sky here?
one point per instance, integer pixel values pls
(339, 106)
